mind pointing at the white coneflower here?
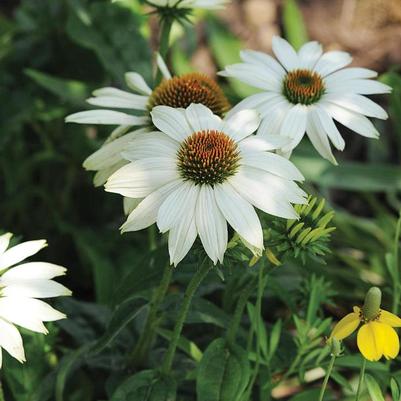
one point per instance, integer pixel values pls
(304, 91)
(201, 172)
(174, 91)
(20, 286)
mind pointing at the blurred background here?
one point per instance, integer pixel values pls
(53, 53)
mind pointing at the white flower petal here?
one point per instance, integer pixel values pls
(162, 66)
(354, 121)
(145, 214)
(324, 122)
(211, 224)
(38, 288)
(110, 153)
(103, 175)
(268, 142)
(319, 138)
(179, 203)
(242, 124)
(201, 118)
(4, 242)
(240, 214)
(294, 124)
(259, 101)
(136, 82)
(273, 119)
(172, 122)
(107, 117)
(34, 270)
(285, 53)
(309, 54)
(332, 61)
(129, 204)
(123, 102)
(20, 252)
(359, 86)
(140, 178)
(247, 183)
(272, 163)
(349, 73)
(150, 145)
(252, 56)
(11, 341)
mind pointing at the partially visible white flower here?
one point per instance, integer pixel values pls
(206, 4)
(20, 286)
(304, 91)
(201, 172)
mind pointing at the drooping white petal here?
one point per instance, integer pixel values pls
(116, 98)
(180, 202)
(34, 270)
(309, 54)
(20, 252)
(324, 122)
(107, 117)
(332, 61)
(285, 53)
(201, 118)
(240, 214)
(294, 124)
(145, 214)
(349, 73)
(162, 66)
(140, 178)
(268, 142)
(136, 82)
(268, 62)
(359, 86)
(11, 341)
(254, 75)
(211, 224)
(110, 153)
(272, 163)
(354, 121)
(171, 121)
(38, 288)
(242, 124)
(319, 138)
(247, 183)
(273, 119)
(149, 145)
(259, 101)
(103, 175)
(129, 204)
(5, 241)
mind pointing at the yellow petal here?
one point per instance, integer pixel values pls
(389, 318)
(346, 326)
(391, 342)
(370, 340)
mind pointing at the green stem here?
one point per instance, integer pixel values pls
(327, 377)
(396, 281)
(239, 310)
(193, 285)
(2, 398)
(140, 351)
(164, 41)
(361, 377)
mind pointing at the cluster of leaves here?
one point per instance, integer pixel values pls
(53, 53)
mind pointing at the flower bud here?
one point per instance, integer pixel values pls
(335, 346)
(371, 307)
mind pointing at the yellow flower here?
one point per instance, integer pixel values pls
(376, 337)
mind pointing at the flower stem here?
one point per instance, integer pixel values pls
(188, 295)
(164, 41)
(361, 378)
(396, 273)
(327, 377)
(2, 398)
(142, 346)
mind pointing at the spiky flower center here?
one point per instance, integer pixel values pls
(187, 89)
(208, 157)
(303, 86)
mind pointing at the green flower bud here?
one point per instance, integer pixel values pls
(335, 347)
(371, 307)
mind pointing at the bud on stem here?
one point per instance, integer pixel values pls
(371, 307)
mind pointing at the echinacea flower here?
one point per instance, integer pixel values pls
(376, 336)
(200, 172)
(304, 91)
(173, 91)
(20, 286)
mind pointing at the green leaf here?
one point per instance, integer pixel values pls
(395, 390)
(223, 372)
(307, 395)
(275, 338)
(373, 388)
(124, 314)
(148, 385)
(71, 91)
(294, 25)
